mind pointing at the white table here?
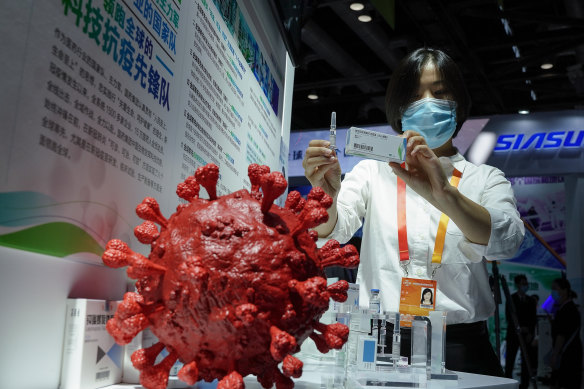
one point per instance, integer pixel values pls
(319, 377)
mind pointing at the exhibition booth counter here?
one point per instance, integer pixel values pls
(324, 375)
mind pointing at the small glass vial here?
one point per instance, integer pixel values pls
(374, 301)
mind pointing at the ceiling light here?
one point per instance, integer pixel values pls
(516, 51)
(312, 96)
(364, 18)
(547, 66)
(533, 95)
(523, 111)
(356, 6)
(481, 148)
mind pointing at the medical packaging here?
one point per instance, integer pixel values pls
(375, 145)
(91, 357)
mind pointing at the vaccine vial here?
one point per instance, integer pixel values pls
(396, 341)
(374, 301)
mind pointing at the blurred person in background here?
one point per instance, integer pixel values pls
(526, 311)
(566, 355)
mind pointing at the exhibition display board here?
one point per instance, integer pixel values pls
(105, 102)
(111, 101)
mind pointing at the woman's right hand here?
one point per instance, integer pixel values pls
(321, 167)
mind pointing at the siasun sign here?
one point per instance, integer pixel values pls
(539, 140)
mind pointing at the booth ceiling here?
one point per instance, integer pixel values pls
(500, 46)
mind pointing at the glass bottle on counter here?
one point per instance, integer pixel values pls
(374, 301)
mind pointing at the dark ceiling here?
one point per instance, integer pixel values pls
(499, 46)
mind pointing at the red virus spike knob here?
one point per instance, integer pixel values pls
(332, 254)
(273, 185)
(282, 343)
(313, 234)
(116, 254)
(312, 291)
(294, 201)
(338, 291)
(128, 320)
(292, 367)
(232, 285)
(312, 215)
(255, 173)
(335, 335)
(150, 210)
(146, 232)
(319, 195)
(156, 376)
(189, 373)
(233, 380)
(145, 357)
(208, 176)
(189, 189)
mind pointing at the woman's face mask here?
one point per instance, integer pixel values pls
(434, 119)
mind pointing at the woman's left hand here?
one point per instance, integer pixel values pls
(423, 172)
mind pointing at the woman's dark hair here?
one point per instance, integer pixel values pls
(564, 284)
(405, 81)
(431, 296)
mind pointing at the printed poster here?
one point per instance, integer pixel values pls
(116, 100)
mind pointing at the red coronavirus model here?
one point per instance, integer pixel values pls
(233, 285)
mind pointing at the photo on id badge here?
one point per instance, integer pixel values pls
(418, 297)
(427, 298)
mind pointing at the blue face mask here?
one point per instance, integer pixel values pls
(434, 119)
(555, 295)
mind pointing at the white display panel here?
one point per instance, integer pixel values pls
(103, 104)
(111, 101)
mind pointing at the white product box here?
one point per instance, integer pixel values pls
(91, 357)
(353, 297)
(375, 145)
(360, 330)
(366, 352)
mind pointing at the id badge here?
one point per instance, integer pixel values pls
(417, 297)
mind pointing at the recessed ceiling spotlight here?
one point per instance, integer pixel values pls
(523, 111)
(356, 6)
(364, 18)
(312, 96)
(547, 66)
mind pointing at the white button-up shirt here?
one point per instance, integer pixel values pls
(368, 195)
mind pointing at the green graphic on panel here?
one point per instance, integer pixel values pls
(58, 239)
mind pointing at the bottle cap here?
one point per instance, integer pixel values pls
(375, 290)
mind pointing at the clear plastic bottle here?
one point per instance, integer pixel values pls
(374, 301)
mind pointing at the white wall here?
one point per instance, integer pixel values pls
(33, 292)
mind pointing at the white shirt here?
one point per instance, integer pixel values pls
(369, 192)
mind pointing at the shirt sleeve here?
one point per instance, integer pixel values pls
(352, 202)
(507, 229)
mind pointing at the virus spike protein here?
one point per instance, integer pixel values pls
(233, 285)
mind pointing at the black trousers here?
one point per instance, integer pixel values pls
(468, 348)
(511, 353)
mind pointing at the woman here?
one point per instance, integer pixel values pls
(427, 102)
(426, 300)
(566, 357)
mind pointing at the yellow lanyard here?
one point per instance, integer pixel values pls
(402, 226)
